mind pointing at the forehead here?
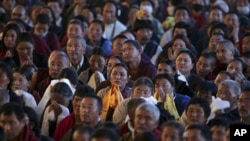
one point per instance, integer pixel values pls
(95, 56)
(181, 11)
(89, 100)
(144, 112)
(204, 60)
(11, 116)
(245, 94)
(231, 16)
(74, 25)
(73, 40)
(109, 6)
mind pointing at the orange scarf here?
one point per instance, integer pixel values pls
(110, 100)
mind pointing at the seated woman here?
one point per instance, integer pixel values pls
(116, 92)
(57, 107)
(97, 71)
(184, 62)
(112, 61)
(8, 42)
(143, 87)
(20, 85)
(25, 54)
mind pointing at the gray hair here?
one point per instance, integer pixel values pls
(151, 108)
(59, 53)
(81, 39)
(232, 84)
(228, 44)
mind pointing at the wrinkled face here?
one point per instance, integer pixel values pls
(195, 114)
(184, 63)
(226, 93)
(130, 53)
(193, 135)
(143, 35)
(11, 125)
(216, 15)
(109, 13)
(89, 112)
(142, 91)
(97, 63)
(246, 44)
(204, 66)
(18, 13)
(56, 64)
(25, 50)
(235, 66)
(95, 32)
(164, 85)
(117, 46)
(178, 43)
(4, 80)
(144, 120)
(219, 78)
(213, 42)
(170, 133)
(181, 16)
(75, 49)
(74, 29)
(76, 105)
(119, 76)
(218, 133)
(10, 39)
(244, 105)
(223, 54)
(164, 68)
(78, 136)
(19, 82)
(111, 63)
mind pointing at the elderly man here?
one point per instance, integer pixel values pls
(229, 90)
(12, 120)
(146, 119)
(76, 48)
(58, 60)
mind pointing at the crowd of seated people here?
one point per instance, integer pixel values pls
(120, 70)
